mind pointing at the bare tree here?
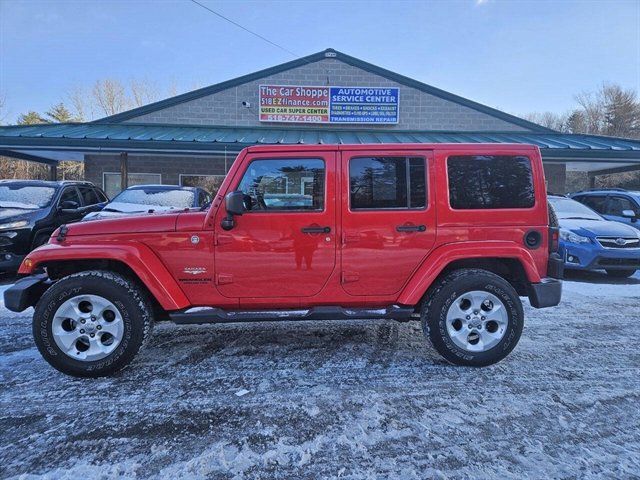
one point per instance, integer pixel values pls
(555, 121)
(110, 96)
(143, 92)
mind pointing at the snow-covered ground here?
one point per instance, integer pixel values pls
(346, 400)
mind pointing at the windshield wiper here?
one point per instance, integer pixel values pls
(578, 218)
(17, 207)
(107, 209)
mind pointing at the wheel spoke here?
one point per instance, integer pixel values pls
(477, 297)
(115, 328)
(67, 340)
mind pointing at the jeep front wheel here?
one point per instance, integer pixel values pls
(92, 324)
(472, 317)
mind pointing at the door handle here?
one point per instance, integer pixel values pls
(411, 228)
(316, 229)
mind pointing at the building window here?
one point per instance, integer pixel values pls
(111, 181)
(287, 184)
(387, 183)
(490, 181)
(210, 183)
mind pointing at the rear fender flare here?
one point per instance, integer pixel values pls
(137, 256)
(442, 256)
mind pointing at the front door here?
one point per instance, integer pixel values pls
(388, 222)
(284, 244)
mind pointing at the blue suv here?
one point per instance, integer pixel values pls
(590, 242)
(613, 204)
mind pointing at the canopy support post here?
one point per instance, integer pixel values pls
(124, 170)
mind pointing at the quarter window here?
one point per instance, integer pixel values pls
(287, 184)
(387, 183)
(490, 182)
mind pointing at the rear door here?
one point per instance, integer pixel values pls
(388, 218)
(284, 244)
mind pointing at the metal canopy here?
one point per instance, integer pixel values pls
(47, 141)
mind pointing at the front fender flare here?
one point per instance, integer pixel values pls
(442, 256)
(137, 256)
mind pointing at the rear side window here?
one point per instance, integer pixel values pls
(595, 202)
(490, 182)
(287, 184)
(387, 183)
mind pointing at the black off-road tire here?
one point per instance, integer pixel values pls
(447, 289)
(620, 273)
(132, 302)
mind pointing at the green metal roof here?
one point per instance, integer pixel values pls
(157, 137)
(316, 57)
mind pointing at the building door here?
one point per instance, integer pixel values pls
(388, 222)
(284, 244)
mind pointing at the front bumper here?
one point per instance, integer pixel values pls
(10, 262)
(547, 293)
(26, 292)
(595, 257)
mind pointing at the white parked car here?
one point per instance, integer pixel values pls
(152, 198)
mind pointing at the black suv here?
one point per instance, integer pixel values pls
(30, 210)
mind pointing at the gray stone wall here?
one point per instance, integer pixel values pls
(556, 176)
(170, 167)
(418, 110)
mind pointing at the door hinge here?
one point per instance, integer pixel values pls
(349, 277)
(224, 278)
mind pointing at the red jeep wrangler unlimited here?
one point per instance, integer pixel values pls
(450, 234)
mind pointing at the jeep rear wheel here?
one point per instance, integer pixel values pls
(92, 323)
(472, 317)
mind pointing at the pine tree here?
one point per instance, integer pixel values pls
(60, 114)
(30, 118)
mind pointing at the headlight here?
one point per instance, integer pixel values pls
(10, 225)
(569, 236)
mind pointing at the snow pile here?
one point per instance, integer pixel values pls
(351, 400)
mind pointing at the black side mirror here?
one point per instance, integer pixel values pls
(69, 206)
(234, 204)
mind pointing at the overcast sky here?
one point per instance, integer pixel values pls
(519, 56)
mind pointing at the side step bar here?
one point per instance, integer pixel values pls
(217, 315)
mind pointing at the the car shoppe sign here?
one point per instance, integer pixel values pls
(302, 104)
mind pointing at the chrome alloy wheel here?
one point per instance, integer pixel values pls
(477, 321)
(87, 327)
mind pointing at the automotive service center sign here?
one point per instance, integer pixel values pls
(301, 104)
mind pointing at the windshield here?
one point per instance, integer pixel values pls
(155, 197)
(28, 197)
(566, 208)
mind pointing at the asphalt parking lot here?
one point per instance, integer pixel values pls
(354, 400)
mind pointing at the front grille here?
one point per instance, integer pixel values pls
(619, 242)
(619, 262)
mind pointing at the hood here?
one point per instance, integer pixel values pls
(125, 224)
(14, 214)
(598, 228)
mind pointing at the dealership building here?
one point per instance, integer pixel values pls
(325, 98)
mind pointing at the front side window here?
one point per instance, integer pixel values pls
(69, 194)
(387, 183)
(286, 184)
(89, 195)
(490, 182)
(617, 205)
